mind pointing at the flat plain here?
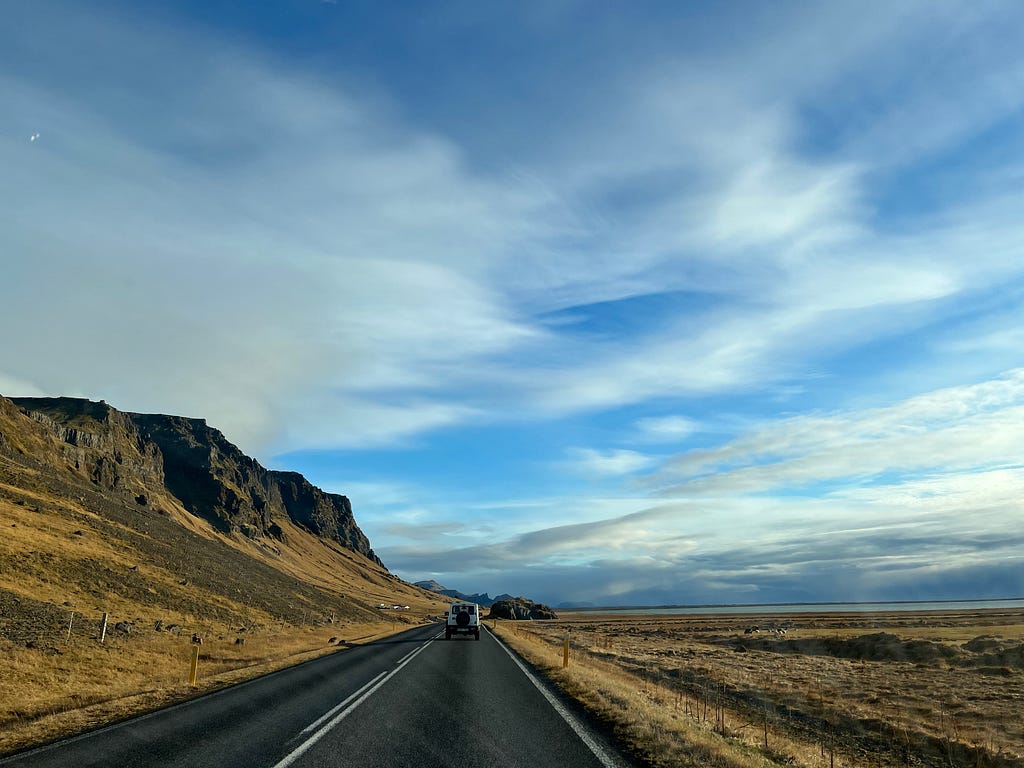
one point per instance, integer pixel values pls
(935, 688)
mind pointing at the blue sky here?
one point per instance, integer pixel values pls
(609, 302)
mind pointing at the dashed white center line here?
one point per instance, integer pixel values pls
(318, 727)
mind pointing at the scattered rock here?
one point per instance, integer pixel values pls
(239, 641)
(982, 643)
(78, 533)
(996, 671)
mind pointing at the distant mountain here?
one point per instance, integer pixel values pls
(480, 598)
(431, 585)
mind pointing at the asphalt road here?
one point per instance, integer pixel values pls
(410, 700)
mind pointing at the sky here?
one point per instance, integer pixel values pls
(610, 302)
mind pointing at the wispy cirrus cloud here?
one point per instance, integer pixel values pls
(297, 245)
(364, 264)
(953, 430)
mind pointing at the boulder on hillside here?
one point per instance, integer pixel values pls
(518, 608)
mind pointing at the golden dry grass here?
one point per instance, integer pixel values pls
(647, 718)
(86, 683)
(683, 694)
(61, 560)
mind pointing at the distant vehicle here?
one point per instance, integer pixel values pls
(463, 619)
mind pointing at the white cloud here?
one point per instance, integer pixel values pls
(272, 248)
(951, 430)
(666, 428)
(608, 463)
(301, 246)
(926, 489)
(298, 260)
(13, 386)
(653, 534)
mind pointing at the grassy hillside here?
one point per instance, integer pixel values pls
(81, 539)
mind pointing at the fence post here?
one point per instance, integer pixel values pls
(103, 628)
(193, 666)
(70, 622)
(565, 650)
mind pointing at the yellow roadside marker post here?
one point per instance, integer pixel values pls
(194, 666)
(565, 650)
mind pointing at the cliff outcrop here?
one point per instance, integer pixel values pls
(96, 441)
(518, 608)
(150, 455)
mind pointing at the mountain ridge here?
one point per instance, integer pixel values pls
(480, 598)
(92, 522)
(197, 465)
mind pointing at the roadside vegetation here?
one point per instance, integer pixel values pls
(941, 690)
(70, 553)
(52, 692)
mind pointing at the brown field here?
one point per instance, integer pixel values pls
(942, 688)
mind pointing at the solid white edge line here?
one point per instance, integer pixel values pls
(300, 750)
(607, 760)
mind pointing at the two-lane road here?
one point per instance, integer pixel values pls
(410, 700)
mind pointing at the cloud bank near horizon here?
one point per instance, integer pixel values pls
(904, 500)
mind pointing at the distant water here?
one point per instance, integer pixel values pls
(944, 605)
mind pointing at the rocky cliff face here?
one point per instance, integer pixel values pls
(328, 515)
(211, 477)
(98, 442)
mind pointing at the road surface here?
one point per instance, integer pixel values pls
(410, 700)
